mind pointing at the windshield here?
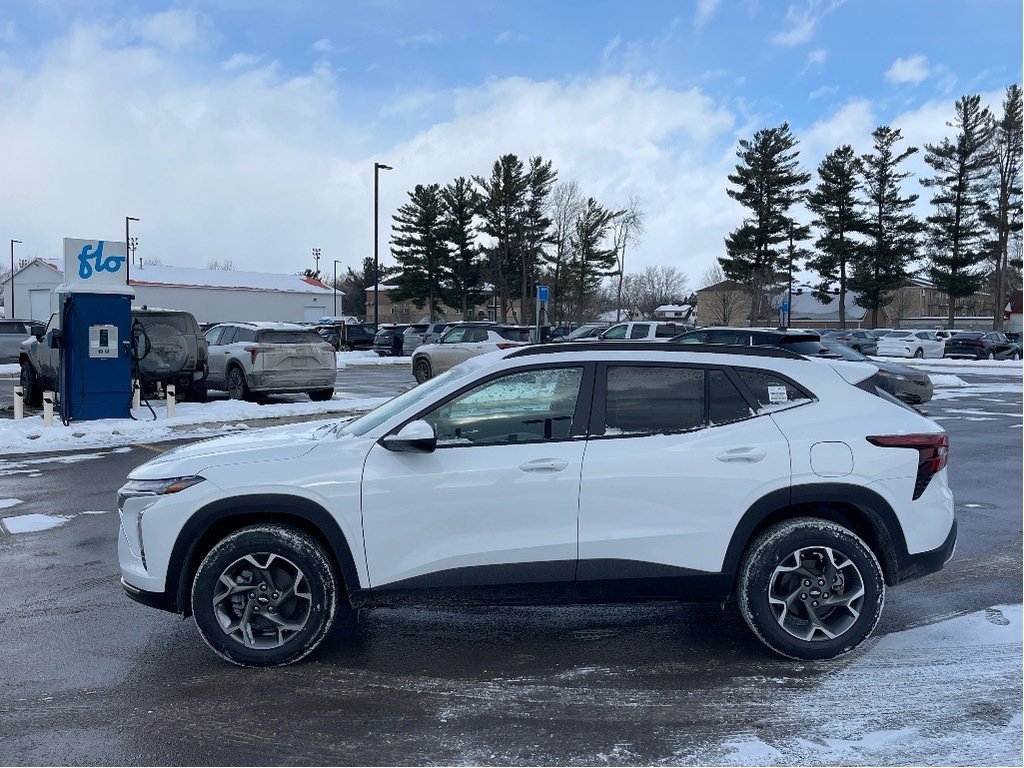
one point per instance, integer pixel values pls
(289, 337)
(382, 413)
(582, 331)
(897, 335)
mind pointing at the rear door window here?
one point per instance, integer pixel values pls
(725, 403)
(651, 400)
(639, 331)
(243, 335)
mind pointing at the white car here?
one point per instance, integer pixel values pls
(249, 360)
(595, 472)
(644, 330)
(911, 344)
(462, 341)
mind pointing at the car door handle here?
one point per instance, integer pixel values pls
(544, 465)
(751, 455)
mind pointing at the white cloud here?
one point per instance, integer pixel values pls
(705, 10)
(847, 125)
(172, 29)
(801, 21)
(913, 70)
(508, 36)
(323, 45)
(815, 59)
(240, 61)
(8, 33)
(245, 162)
(424, 38)
(825, 90)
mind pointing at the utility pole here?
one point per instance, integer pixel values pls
(377, 168)
(10, 312)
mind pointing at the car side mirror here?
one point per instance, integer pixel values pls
(38, 331)
(415, 437)
(54, 338)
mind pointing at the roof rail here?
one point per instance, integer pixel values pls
(655, 346)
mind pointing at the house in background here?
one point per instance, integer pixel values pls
(682, 312)
(211, 295)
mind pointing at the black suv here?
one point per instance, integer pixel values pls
(170, 347)
(801, 342)
(350, 336)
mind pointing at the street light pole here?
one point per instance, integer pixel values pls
(377, 167)
(127, 239)
(11, 314)
(336, 262)
(316, 259)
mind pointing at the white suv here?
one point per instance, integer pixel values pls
(557, 473)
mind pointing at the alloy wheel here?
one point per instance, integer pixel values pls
(816, 593)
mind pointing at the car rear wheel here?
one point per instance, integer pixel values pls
(991, 355)
(810, 589)
(31, 390)
(421, 370)
(919, 353)
(321, 395)
(265, 596)
(237, 388)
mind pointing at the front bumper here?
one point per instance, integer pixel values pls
(159, 600)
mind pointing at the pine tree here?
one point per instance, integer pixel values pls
(462, 287)
(535, 229)
(837, 217)
(956, 230)
(1005, 207)
(592, 258)
(419, 249)
(502, 202)
(882, 264)
(769, 183)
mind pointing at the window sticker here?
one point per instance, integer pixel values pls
(777, 394)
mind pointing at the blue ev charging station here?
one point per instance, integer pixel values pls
(95, 339)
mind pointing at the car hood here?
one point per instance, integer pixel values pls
(274, 444)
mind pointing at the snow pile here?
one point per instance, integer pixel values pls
(361, 357)
(190, 420)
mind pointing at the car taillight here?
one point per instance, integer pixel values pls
(933, 454)
(254, 351)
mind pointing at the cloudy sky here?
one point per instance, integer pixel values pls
(248, 129)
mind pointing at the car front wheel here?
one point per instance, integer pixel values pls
(321, 395)
(264, 596)
(810, 589)
(421, 370)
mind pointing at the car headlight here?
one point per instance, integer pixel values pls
(891, 376)
(159, 487)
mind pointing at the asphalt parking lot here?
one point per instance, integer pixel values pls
(87, 676)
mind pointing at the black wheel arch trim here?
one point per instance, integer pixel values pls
(239, 511)
(884, 531)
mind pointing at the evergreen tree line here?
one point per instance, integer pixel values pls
(866, 237)
(496, 237)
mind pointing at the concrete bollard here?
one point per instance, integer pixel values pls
(48, 400)
(171, 400)
(19, 402)
(136, 394)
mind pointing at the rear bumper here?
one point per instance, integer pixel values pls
(292, 381)
(921, 564)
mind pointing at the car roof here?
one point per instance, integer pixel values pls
(265, 325)
(587, 349)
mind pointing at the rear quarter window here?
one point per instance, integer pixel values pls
(772, 392)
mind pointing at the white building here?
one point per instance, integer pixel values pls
(212, 295)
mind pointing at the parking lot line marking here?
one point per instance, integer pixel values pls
(153, 448)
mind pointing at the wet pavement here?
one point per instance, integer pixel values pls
(89, 677)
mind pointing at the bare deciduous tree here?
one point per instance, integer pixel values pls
(628, 229)
(723, 305)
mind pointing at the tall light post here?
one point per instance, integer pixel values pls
(377, 168)
(316, 262)
(127, 239)
(133, 245)
(11, 314)
(336, 263)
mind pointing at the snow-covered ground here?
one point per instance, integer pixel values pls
(882, 708)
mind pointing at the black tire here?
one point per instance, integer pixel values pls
(31, 389)
(835, 558)
(1015, 355)
(198, 393)
(919, 354)
(421, 370)
(858, 349)
(273, 560)
(321, 395)
(991, 355)
(236, 385)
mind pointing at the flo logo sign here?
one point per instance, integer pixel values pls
(94, 262)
